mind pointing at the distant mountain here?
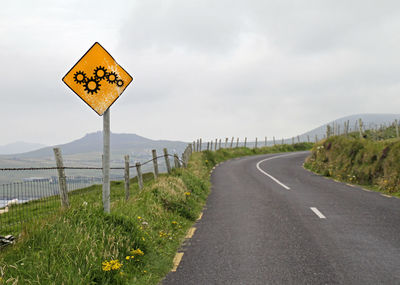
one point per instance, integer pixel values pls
(88, 150)
(19, 147)
(369, 121)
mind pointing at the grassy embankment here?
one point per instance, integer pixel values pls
(135, 244)
(370, 163)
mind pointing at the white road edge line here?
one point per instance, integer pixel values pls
(317, 212)
(270, 176)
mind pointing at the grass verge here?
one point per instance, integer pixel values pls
(135, 244)
(372, 164)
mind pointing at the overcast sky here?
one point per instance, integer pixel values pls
(201, 68)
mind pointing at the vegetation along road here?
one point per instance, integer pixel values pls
(270, 221)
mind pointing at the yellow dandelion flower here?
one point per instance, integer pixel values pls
(174, 222)
(137, 252)
(187, 193)
(106, 266)
(139, 217)
(127, 258)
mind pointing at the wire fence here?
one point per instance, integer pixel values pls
(27, 194)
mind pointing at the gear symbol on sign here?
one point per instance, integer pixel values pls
(112, 77)
(120, 83)
(80, 77)
(100, 72)
(92, 85)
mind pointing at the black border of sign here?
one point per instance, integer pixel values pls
(114, 61)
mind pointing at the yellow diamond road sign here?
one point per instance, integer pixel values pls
(98, 79)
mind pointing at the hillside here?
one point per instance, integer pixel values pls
(369, 121)
(19, 147)
(88, 150)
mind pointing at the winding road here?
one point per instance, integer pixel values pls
(270, 221)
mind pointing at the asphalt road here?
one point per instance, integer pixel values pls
(255, 230)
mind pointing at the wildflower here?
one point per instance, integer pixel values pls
(137, 252)
(106, 266)
(128, 257)
(174, 222)
(111, 265)
(115, 264)
(143, 239)
(187, 193)
(144, 271)
(84, 203)
(139, 217)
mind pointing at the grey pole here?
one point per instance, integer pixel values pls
(62, 181)
(126, 176)
(106, 161)
(155, 163)
(167, 161)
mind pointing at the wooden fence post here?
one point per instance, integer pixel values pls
(194, 146)
(167, 161)
(255, 145)
(308, 138)
(237, 142)
(265, 141)
(273, 138)
(226, 142)
(201, 142)
(62, 180)
(155, 163)
(360, 128)
(298, 139)
(215, 146)
(176, 161)
(211, 145)
(316, 138)
(397, 128)
(219, 144)
(139, 175)
(245, 141)
(208, 145)
(126, 176)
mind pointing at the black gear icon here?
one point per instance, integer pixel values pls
(80, 77)
(100, 72)
(112, 77)
(120, 83)
(92, 85)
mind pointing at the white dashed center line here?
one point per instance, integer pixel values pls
(317, 212)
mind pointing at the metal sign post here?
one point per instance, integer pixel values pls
(106, 161)
(99, 81)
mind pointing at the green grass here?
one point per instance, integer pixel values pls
(215, 157)
(69, 247)
(374, 164)
(74, 246)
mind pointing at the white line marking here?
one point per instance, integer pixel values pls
(270, 176)
(317, 212)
